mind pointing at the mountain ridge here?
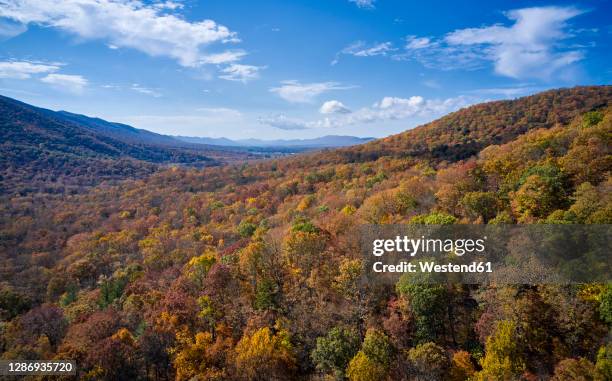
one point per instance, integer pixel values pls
(326, 141)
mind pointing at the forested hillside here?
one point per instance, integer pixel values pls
(252, 272)
(464, 133)
(56, 152)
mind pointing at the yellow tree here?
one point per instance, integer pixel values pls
(265, 355)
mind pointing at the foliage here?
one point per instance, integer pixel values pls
(362, 368)
(334, 351)
(182, 273)
(265, 355)
(503, 359)
(429, 361)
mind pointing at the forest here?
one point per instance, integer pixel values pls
(252, 271)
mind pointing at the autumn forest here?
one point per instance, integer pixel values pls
(176, 264)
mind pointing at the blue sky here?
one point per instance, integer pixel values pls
(294, 69)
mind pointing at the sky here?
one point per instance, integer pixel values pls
(294, 69)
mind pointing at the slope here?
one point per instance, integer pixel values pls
(47, 148)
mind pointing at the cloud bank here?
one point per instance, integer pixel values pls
(534, 46)
(388, 108)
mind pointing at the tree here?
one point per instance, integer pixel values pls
(461, 367)
(605, 304)
(304, 246)
(362, 368)
(197, 268)
(591, 118)
(246, 228)
(503, 359)
(429, 362)
(434, 218)
(579, 369)
(334, 351)
(377, 347)
(372, 362)
(427, 304)
(480, 204)
(200, 357)
(265, 355)
(604, 361)
(114, 358)
(45, 320)
(542, 189)
(11, 303)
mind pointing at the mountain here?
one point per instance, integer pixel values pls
(464, 133)
(54, 148)
(328, 141)
(48, 150)
(255, 271)
(118, 130)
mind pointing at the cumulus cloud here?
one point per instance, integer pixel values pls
(151, 29)
(534, 46)
(393, 108)
(25, 69)
(71, 83)
(361, 49)
(334, 107)
(241, 73)
(388, 108)
(364, 3)
(296, 92)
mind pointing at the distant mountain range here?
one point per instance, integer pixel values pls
(41, 148)
(327, 141)
(131, 134)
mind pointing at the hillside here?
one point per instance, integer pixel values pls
(464, 133)
(233, 272)
(117, 130)
(46, 150)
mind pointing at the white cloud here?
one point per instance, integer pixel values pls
(361, 49)
(283, 122)
(529, 47)
(239, 72)
(25, 69)
(145, 90)
(171, 5)
(388, 108)
(532, 47)
(296, 92)
(363, 3)
(224, 57)
(414, 42)
(71, 83)
(124, 24)
(9, 28)
(334, 107)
